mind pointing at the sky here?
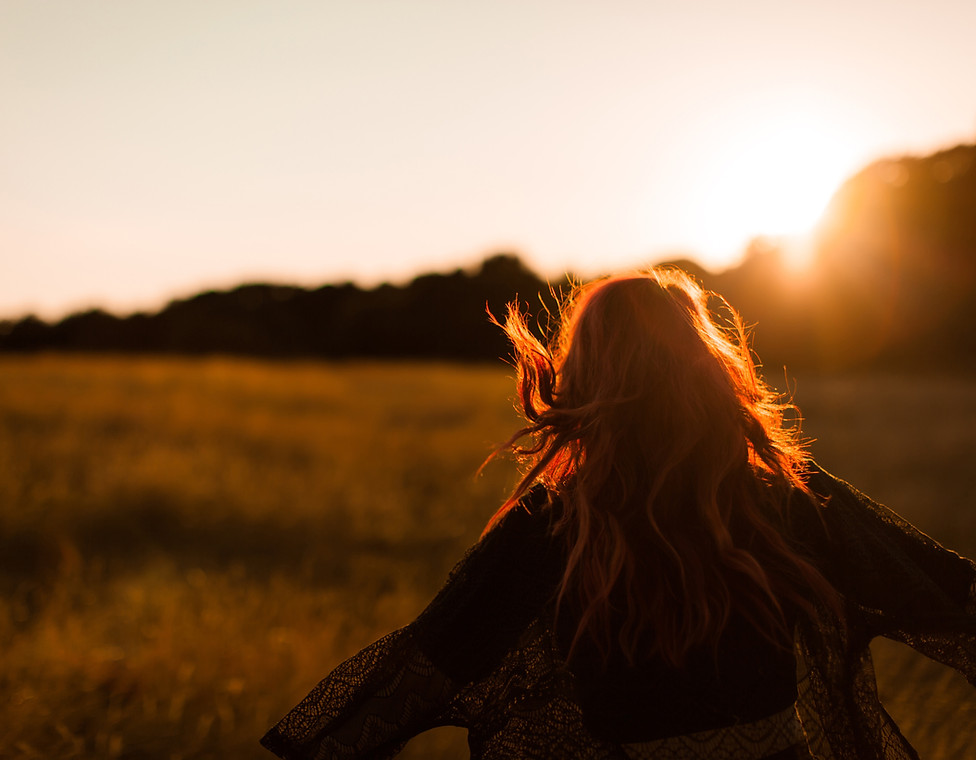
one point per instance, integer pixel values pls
(149, 150)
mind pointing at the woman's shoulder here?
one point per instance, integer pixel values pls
(824, 493)
(532, 515)
(518, 543)
(500, 586)
(826, 486)
(830, 514)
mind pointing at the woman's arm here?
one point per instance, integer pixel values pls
(901, 582)
(407, 682)
(368, 707)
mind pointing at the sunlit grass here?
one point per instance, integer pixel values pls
(187, 546)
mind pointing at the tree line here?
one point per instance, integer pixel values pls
(892, 282)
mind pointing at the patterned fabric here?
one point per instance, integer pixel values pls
(485, 655)
(368, 707)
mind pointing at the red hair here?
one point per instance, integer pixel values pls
(670, 461)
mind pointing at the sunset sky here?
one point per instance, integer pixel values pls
(152, 149)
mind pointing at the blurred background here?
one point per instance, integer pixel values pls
(246, 375)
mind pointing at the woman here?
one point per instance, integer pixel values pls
(671, 578)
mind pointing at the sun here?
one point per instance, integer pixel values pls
(772, 177)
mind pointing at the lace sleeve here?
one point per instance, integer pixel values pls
(407, 682)
(895, 575)
(894, 581)
(368, 707)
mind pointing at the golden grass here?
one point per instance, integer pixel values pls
(188, 545)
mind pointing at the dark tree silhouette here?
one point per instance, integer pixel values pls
(894, 282)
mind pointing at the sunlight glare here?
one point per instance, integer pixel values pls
(773, 178)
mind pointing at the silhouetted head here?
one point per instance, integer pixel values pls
(631, 337)
(668, 456)
(645, 356)
(642, 373)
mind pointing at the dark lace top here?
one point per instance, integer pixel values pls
(487, 655)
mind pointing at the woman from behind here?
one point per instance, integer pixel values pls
(667, 561)
(671, 468)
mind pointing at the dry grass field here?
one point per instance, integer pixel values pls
(188, 545)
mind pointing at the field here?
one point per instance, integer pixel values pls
(187, 546)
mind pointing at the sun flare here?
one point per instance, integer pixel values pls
(772, 178)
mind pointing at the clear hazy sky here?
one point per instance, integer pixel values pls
(150, 149)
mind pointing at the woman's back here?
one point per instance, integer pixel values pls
(745, 679)
(496, 624)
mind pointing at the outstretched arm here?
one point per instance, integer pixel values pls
(408, 681)
(904, 584)
(368, 707)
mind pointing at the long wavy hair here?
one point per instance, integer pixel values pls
(670, 462)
